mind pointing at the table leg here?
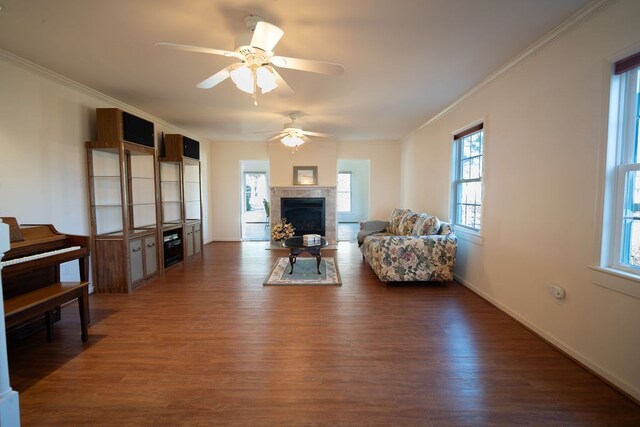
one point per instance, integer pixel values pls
(292, 260)
(318, 259)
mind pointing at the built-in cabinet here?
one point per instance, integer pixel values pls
(181, 199)
(144, 258)
(194, 239)
(123, 197)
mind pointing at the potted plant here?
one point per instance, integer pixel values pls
(282, 230)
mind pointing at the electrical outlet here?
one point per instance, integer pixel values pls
(557, 292)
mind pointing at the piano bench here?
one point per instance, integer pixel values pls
(44, 300)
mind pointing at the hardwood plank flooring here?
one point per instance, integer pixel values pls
(208, 344)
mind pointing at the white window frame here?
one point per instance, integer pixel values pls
(623, 122)
(350, 191)
(464, 231)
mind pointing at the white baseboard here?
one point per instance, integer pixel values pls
(596, 369)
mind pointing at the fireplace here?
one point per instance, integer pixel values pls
(303, 191)
(306, 214)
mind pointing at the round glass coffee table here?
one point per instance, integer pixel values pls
(296, 247)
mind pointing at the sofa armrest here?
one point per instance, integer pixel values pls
(373, 225)
(370, 227)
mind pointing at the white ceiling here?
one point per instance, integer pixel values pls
(405, 60)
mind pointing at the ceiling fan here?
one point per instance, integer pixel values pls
(255, 69)
(292, 136)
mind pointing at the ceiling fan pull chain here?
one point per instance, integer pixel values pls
(255, 85)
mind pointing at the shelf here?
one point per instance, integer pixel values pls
(116, 233)
(142, 230)
(171, 224)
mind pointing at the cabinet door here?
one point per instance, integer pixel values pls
(197, 238)
(150, 259)
(189, 240)
(135, 256)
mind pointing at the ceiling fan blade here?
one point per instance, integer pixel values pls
(283, 90)
(217, 78)
(268, 131)
(266, 36)
(305, 139)
(308, 65)
(198, 49)
(319, 134)
(278, 136)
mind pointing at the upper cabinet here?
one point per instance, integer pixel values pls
(123, 198)
(114, 126)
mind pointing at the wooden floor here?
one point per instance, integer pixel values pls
(208, 344)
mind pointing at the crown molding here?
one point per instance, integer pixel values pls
(72, 84)
(577, 19)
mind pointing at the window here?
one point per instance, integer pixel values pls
(467, 178)
(344, 192)
(623, 169)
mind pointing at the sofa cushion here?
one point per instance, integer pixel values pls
(395, 219)
(407, 224)
(445, 229)
(426, 225)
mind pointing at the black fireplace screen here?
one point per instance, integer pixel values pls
(306, 214)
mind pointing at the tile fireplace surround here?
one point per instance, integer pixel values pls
(329, 193)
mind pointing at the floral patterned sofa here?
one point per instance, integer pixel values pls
(411, 246)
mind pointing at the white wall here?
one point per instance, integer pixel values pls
(545, 136)
(226, 185)
(44, 123)
(384, 174)
(319, 153)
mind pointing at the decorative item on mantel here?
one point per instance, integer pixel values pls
(282, 230)
(305, 175)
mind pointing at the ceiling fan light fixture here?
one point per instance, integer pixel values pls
(242, 78)
(292, 141)
(266, 79)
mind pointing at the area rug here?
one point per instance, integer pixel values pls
(305, 272)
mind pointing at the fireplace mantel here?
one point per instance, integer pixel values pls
(329, 193)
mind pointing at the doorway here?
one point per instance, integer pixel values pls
(255, 205)
(352, 197)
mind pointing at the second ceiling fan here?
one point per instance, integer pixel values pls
(255, 69)
(293, 136)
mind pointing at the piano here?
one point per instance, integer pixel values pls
(33, 261)
(37, 250)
